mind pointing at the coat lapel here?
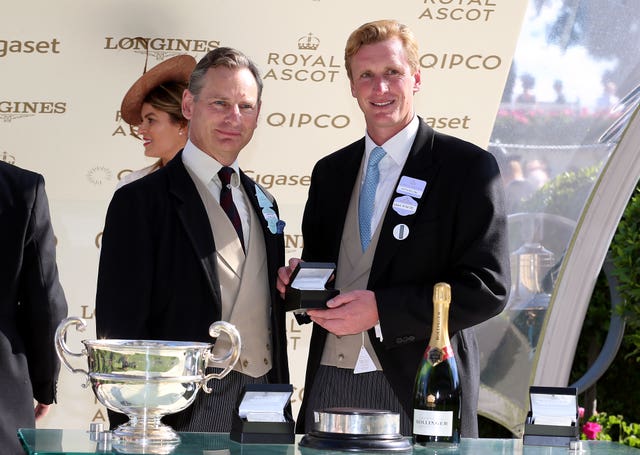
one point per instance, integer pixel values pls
(344, 183)
(419, 165)
(195, 222)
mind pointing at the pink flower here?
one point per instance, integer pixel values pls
(581, 412)
(591, 429)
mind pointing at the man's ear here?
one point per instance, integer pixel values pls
(417, 81)
(187, 104)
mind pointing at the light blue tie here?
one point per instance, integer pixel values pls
(368, 196)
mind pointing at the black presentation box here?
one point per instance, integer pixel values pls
(553, 416)
(308, 289)
(263, 415)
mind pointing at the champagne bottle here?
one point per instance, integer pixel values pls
(436, 396)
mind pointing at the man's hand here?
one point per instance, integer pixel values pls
(41, 410)
(348, 314)
(284, 273)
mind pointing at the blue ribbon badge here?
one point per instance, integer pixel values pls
(275, 225)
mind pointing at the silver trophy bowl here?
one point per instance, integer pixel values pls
(147, 379)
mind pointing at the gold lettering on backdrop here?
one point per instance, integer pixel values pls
(479, 3)
(293, 330)
(160, 44)
(28, 47)
(305, 60)
(124, 172)
(293, 241)
(33, 107)
(293, 327)
(120, 131)
(303, 67)
(85, 314)
(458, 14)
(300, 394)
(99, 416)
(302, 75)
(293, 120)
(294, 342)
(460, 61)
(270, 180)
(452, 123)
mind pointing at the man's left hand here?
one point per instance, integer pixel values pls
(348, 314)
(41, 410)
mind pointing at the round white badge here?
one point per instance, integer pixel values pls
(401, 231)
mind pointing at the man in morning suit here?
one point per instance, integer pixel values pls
(32, 303)
(173, 261)
(435, 213)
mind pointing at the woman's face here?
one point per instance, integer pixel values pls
(161, 137)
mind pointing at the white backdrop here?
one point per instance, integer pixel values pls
(65, 65)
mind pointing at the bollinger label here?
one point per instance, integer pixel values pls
(433, 423)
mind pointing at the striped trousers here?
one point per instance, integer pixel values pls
(338, 387)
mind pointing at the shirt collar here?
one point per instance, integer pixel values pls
(399, 146)
(204, 167)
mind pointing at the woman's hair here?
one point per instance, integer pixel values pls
(166, 97)
(374, 32)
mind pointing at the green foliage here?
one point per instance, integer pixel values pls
(625, 250)
(615, 428)
(565, 194)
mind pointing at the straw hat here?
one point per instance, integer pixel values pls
(176, 68)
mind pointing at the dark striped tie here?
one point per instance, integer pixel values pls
(226, 201)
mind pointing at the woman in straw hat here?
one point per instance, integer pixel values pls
(152, 108)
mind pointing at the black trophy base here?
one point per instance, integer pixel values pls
(356, 443)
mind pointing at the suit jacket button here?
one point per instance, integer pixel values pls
(266, 361)
(245, 363)
(399, 340)
(341, 357)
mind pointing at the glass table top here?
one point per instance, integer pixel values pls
(58, 442)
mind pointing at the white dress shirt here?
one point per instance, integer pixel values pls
(206, 168)
(390, 166)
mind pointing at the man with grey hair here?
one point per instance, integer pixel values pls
(198, 241)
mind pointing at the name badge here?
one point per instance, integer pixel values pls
(411, 187)
(405, 205)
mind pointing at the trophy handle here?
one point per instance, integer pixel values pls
(230, 358)
(61, 345)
